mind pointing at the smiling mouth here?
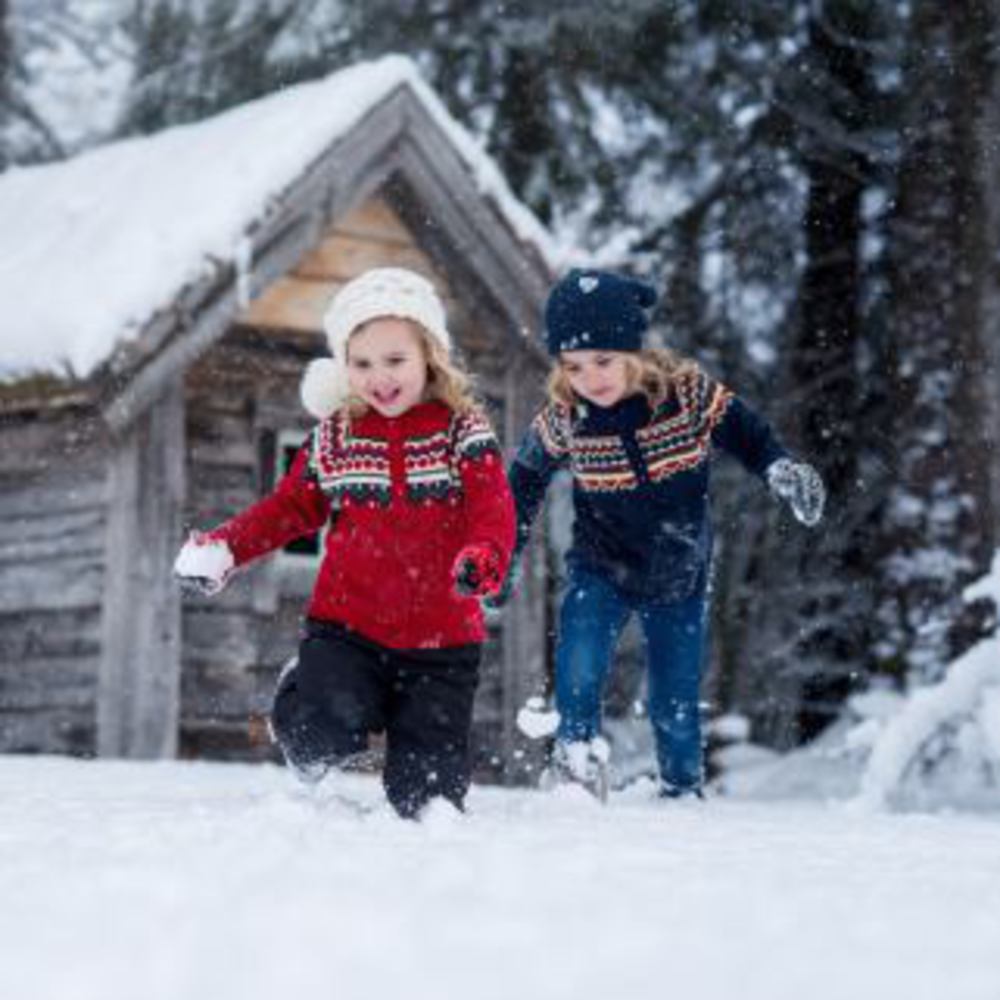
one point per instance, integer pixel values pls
(386, 398)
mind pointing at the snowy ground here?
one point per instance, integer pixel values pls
(190, 881)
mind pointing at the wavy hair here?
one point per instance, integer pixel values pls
(650, 371)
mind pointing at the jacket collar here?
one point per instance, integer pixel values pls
(625, 416)
(427, 416)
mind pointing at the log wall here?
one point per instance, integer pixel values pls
(53, 497)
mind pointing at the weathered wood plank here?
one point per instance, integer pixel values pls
(27, 635)
(62, 682)
(219, 439)
(248, 362)
(284, 411)
(77, 534)
(339, 258)
(296, 303)
(230, 453)
(139, 679)
(208, 426)
(55, 584)
(31, 397)
(29, 496)
(48, 730)
(220, 739)
(374, 218)
(233, 482)
(525, 623)
(214, 693)
(220, 635)
(218, 492)
(292, 303)
(41, 446)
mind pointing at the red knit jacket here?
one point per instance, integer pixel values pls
(403, 495)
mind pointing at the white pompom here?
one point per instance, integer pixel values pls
(324, 387)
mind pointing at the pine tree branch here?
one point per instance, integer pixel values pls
(19, 108)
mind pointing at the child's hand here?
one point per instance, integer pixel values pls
(800, 485)
(476, 572)
(497, 601)
(204, 564)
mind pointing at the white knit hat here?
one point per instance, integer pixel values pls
(382, 291)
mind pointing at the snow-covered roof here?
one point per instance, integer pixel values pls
(92, 247)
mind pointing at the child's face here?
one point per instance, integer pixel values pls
(386, 365)
(600, 377)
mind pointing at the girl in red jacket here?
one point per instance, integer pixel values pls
(405, 470)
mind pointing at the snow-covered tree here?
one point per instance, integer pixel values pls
(6, 70)
(937, 532)
(795, 615)
(67, 65)
(196, 58)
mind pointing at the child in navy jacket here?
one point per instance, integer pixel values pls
(635, 427)
(405, 471)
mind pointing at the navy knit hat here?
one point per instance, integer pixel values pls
(597, 311)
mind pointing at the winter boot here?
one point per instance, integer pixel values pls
(677, 792)
(581, 762)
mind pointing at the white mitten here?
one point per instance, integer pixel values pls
(204, 564)
(800, 485)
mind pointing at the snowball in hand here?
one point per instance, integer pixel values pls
(204, 560)
(535, 721)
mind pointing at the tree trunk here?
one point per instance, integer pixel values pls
(805, 615)
(939, 528)
(824, 365)
(6, 72)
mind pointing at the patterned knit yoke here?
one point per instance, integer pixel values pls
(401, 497)
(641, 480)
(347, 463)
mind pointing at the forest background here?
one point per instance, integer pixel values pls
(815, 186)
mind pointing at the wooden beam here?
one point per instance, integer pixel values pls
(139, 679)
(525, 620)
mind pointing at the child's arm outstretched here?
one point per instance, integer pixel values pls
(737, 429)
(542, 452)
(482, 563)
(295, 508)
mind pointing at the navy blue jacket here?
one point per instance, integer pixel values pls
(640, 480)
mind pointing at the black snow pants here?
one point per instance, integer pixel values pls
(344, 687)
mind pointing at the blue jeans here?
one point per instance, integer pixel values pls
(594, 612)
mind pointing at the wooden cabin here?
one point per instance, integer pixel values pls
(193, 412)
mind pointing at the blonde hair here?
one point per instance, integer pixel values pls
(650, 371)
(445, 380)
